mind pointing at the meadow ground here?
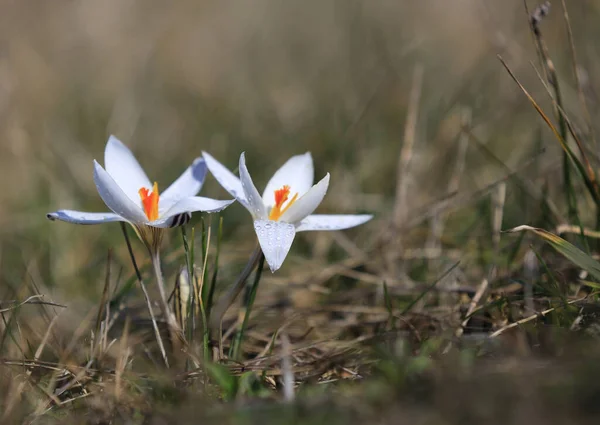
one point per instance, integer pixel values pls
(451, 122)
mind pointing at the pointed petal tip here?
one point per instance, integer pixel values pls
(275, 238)
(255, 202)
(198, 160)
(113, 140)
(97, 167)
(82, 217)
(318, 222)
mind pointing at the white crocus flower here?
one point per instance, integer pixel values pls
(128, 193)
(286, 206)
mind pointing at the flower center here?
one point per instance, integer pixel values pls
(281, 196)
(150, 201)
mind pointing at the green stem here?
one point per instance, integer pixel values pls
(228, 299)
(249, 303)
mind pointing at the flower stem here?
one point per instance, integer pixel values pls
(174, 329)
(161, 288)
(161, 346)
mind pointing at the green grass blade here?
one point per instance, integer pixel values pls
(213, 282)
(568, 250)
(429, 288)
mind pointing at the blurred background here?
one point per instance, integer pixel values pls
(276, 79)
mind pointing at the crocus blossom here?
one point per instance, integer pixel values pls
(128, 193)
(286, 205)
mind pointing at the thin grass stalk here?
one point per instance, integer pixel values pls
(389, 306)
(574, 61)
(523, 183)
(552, 278)
(213, 282)
(189, 261)
(8, 331)
(588, 182)
(197, 289)
(550, 71)
(171, 259)
(103, 303)
(205, 325)
(400, 210)
(206, 236)
(249, 303)
(429, 288)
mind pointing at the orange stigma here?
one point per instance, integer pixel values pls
(281, 196)
(150, 202)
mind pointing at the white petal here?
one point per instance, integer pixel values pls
(125, 169)
(188, 184)
(275, 238)
(114, 197)
(298, 173)
(331, 222)
(306, 204)
(226, 179)
(80, 217)
(255, 202)
(189, 205)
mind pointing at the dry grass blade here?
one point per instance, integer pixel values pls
(498, 203)
(33, 299)
(472, 306)
(286, 367)
(591, 175)
(103, 301)
(532, 317)
(566, 249)
(122, 359)
(400, 204)
(569, 228)
(536, 106)
(14, 397)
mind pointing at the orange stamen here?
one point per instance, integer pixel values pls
(281, 196)
(150, 202)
